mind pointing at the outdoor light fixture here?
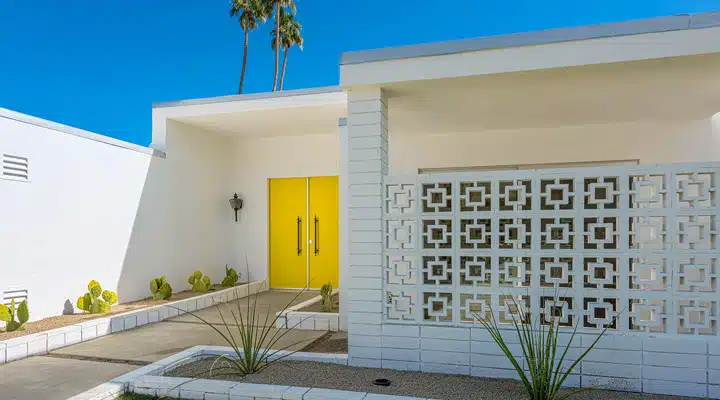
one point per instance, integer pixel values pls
(236, 204)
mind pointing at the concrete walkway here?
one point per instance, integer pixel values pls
(88, 364)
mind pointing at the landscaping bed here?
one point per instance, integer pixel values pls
(317, 307)
(72, 319)
(403, 383)
(331, 342)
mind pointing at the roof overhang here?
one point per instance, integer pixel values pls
(291, 112)
(675, 36)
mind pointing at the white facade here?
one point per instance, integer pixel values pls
(612, 108)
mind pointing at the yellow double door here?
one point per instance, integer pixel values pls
(303, 232)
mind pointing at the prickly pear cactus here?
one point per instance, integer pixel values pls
(160, 289)
(326, 292)
(96, 300)
(231, 277)
(8, 314)
(199, 283)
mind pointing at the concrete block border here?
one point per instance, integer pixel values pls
(149, 381)
(312, 321)
(46, 341)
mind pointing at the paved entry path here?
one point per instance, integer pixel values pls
(75, 369)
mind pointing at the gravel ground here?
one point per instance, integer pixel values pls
(317, 308)
(72, 319)
(331, 342)
(417, 384)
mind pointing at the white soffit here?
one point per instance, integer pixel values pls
(653, 38)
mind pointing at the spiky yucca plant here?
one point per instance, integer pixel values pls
(539, 343)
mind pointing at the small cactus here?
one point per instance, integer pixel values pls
(97, 300)
(199, 282)
(160, 289)
(326, 293)
(8, 314)
(231, 277)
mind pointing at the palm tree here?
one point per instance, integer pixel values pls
(289, 36)
(279, 5)
(249, 13)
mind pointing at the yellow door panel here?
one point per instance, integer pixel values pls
(324, 230)
(288, 233)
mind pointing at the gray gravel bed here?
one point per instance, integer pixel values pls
(417, 384)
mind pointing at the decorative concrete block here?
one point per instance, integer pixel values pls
(330, 394)
(334, 323)
(103, 327)
(458, 346)
(714, 347)
(3, 359)
(364, 340)
(675, 374)
(401, 330)
(494, 361)
(445, 333)
(615, 356)
(117, 324)
(142, 317)
(399, 342)
(400, 354)
(487, 372)
(714, 391)
(401, 365)
(675, 360)
(364, 352)
(444, 357)
(675, 388)
(364, 362)
(322, 324)
(364, 318)
(200, 388)
(281, 322)
(682, 345)
(613, 342)
(444, 368)
(714, 362)
(612, 370)
(364, 295)
(153, 316)
(572, 381)
(365, 329)
(713, 376)
(482, 335)
(494, 349)
(307, 322)
(295, 393)
(130, 322)
(612, 383)
(365, 306)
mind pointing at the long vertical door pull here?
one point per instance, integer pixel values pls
(299, 236)
(317, 235)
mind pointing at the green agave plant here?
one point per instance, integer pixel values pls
(545, 374)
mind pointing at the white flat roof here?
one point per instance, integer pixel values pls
(596, 31)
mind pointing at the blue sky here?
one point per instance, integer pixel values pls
(99, 65)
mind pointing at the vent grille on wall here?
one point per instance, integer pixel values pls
(14, 294)
(14, 167)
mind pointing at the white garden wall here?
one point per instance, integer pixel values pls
(255, 160)
(97, 208)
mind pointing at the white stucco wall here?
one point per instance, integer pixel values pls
(255, 161)
(647, 141)
(92, 210)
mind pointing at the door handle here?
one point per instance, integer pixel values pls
(299, 235)
(317, 235)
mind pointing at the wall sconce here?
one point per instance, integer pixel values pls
(236, 204)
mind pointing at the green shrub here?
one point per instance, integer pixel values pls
(231, 277)
(327, 301)
(544, 372)
(8, 314)
(96, 301)
(199, 282)
(160, 289)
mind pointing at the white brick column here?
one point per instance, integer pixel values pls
(366, 161)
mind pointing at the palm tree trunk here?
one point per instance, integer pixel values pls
(282, 75)
(244, 62)
(277, 44)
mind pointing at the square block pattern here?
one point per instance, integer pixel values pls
(634, 248)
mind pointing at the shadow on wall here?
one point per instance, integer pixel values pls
(183, 218)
